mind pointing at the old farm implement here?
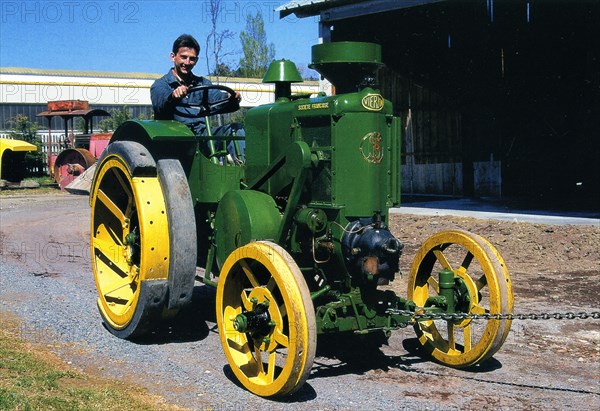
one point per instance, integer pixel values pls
(73, 152)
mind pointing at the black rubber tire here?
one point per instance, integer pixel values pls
(182, 232)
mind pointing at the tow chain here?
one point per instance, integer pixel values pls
(417, 316)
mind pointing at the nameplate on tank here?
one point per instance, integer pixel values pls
(372, 102)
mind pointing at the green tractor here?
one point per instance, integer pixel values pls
(294, 235)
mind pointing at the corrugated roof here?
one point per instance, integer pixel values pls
(306, 8)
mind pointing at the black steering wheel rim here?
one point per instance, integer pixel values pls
(208, 108)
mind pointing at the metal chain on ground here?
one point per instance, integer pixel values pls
(422, 316)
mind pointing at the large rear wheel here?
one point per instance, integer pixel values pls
(266, 319)
(482, 285)
(135, 214)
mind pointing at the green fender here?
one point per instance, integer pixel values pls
(154, 130)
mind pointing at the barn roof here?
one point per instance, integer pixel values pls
(345, 8)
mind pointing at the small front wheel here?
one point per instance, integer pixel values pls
(482, 286)
(266, 319)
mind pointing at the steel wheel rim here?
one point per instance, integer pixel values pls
(479, 340)
(129, 238)
(279, 364)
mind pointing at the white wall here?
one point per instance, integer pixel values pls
(127, 90)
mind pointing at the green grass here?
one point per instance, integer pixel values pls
(43, 180)
(46, 186)
(32, 379)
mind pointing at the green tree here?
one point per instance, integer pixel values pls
(258, 54)
(222, 70)
(215, 40)
(117, 117)
(26, 130)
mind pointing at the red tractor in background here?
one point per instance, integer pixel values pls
(76, 152)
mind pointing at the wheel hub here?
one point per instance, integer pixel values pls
(256, 322)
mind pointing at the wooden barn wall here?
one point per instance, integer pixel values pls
(432, 142)
(506, 94)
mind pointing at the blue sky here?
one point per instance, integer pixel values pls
(134, 36)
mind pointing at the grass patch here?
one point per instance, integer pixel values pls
(29, 191)
(34, 379)
(42, 180)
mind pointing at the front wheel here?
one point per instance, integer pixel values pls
(266, 319)
(482, 286)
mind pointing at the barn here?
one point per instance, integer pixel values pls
(498, 99)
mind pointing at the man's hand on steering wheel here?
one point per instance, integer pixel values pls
(180, 92)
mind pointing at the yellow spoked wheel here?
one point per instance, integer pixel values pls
(266, 319)
(129, 240)
(482, 285)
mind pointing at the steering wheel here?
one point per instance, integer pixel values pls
(207, 108)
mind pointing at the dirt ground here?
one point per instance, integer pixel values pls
(550, 265)
(544, 364)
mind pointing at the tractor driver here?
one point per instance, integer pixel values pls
(170, 97)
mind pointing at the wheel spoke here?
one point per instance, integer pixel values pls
(114, 236)
(110, 250)
(106, 246)
(451, 340)
(271, 284)
(468, 336)
(230, 314)
(477, 309)
(258, 359)
(111, 206)
(482, 282)
(127, 189)
(245, 301)
(280, 338)
(116, 265)
(124, 185)
(249, 273)
(238, 344)
(433, 283)
(467, 261)
(282, 310)
(272, 366)
(439, 255)
(118, 285)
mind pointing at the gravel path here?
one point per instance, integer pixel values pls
(46, 280)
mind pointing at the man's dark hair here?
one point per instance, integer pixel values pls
(185, 40)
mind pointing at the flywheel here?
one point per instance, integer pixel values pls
(266, 319)
(482, 285)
